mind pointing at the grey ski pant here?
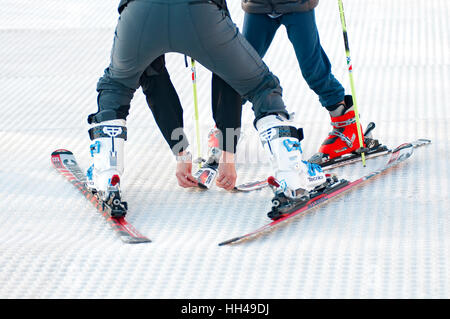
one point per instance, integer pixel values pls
(200, 29)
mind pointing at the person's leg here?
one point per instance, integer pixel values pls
(226, 106)
(259, 30)
(227, 111)
(163, 101)
(131, 54)
(226, 102)
(314, 64)
(316, 69)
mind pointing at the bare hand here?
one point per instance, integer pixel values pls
(184, 174)
(227, 172)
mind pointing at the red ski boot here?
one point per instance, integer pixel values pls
(343, 139)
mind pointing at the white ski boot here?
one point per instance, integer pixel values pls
(294, 177)
(103, 176)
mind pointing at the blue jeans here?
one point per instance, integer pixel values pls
(260, 29)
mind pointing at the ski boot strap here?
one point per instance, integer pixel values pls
(281, 131)
(108, 131)
(344, 123)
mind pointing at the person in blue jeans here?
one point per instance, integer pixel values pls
(261, 21)
(260, 29)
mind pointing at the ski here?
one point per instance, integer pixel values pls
(65, 163)
(334, 163)
(315, 198)
(251, 186)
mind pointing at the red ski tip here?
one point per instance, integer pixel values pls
(115, 180)
(272, 181)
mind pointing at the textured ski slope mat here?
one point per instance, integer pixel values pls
(388, 239)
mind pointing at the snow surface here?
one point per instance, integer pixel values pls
(388, 239)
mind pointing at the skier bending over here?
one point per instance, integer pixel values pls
(203, 31)
(261, 21)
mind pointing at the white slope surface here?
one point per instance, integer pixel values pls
(388, 239)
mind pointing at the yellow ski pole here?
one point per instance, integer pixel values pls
(350, 73)
(197, 126)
